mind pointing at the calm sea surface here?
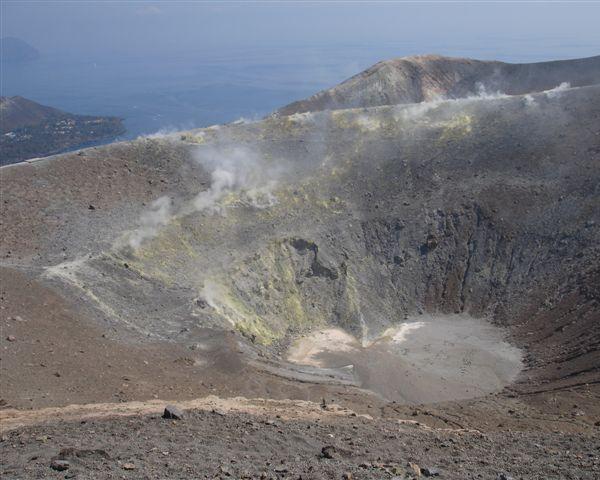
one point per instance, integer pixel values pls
(202, 88)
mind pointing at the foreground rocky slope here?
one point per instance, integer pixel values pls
(186, 265)
(275, 440)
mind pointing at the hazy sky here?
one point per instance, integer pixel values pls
(567, 29)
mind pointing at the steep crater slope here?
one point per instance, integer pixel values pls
(358, 220)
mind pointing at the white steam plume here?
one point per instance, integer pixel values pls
(406, 112)
(151, 221)
(222, 182)
(234, 170)
(237, 170)
(552, 93)
(557, 91)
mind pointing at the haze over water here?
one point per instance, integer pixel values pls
(174, 66)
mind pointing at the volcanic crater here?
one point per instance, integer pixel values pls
(385, 240)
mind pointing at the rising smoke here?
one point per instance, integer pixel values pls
(239, 170)
(157, 216)
(235, 170)
(406, 112)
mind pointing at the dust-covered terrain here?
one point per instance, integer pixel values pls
(407, 283)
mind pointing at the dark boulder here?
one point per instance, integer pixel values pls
(172, 412)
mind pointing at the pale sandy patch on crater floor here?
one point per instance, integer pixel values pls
(429, 359)
(307, 350)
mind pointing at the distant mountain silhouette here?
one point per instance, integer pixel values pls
(16, 50)
(28, 129)
(18, 112)
(427, 77)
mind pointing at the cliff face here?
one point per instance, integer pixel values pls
(424, 78)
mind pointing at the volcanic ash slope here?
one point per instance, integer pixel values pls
(233, 242)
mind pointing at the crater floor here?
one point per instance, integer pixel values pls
(426, 359)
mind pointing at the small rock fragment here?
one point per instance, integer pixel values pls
(172, 412)
(59, 465)
(11, 338)
(430, 472)
(328, 451)
(201, 303)
(503, 476)
(415, 468)
(397, 470)
(225, 470)
(128, 466)
(72, 452)
(432, 242)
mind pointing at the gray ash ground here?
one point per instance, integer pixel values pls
(215, 445)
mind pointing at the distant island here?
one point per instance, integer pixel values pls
(16, 50)
(29, 130)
